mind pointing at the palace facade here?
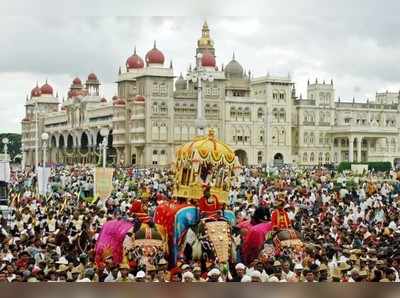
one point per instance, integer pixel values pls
(260, 117)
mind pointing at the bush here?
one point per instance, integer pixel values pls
(378, 166)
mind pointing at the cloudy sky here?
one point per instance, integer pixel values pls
(356, 45)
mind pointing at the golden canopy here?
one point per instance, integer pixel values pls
(205, 160)
(207, 149)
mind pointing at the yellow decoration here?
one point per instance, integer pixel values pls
(205, 160)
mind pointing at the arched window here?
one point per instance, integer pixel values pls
(305, 157)
(282, 96)
(321, 138)
(247, 114)
(320, 157)
(163, 132)
(321, 116)
(261, 136)
(312, 157)
(233, 113)
(155, 107)
(312, 117)
(163, 107)
(282, 115)
(240, 114)
(312, 138)
(155, 157)
(282, 136)
(305, 140)
(275, 115)
(327, 157)
(155, 131)
(177, 132)
(259, 157)
(274, 135)
(260, 114)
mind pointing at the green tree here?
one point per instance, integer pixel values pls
(14, 145)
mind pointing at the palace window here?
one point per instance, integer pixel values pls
(312, 157)
(163, 89)
(305, 157)
(327, 157)
(163, 108)
(233, 113)
(260, 114)
(156, 88)
(259, 157)
(320, 157)
(155, 157)
(282, 115)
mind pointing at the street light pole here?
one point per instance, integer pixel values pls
(104, 152)
(198, 75)
(104, 133)
(36, 136)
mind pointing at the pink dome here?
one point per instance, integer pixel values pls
(46, 89)
(36, 92)
(134, 61)
(92, 77)
(139, 98)
(208, 59)
(119, 102)
(155, 56)
(77, 81)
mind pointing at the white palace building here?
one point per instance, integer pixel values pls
(156, 111)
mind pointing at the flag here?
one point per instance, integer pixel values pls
(103, 182)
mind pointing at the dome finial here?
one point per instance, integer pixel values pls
(155, 44)
(233, 55)
(134, 50)
(170, 64)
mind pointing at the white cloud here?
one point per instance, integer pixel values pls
(358, 52)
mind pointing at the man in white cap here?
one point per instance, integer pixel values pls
(240, 272)
(255, 276)
(187, 276)
(140, 275)
(214, 275)
(197, 275)
(298, 271)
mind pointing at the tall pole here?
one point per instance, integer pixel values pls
(200, 116)
(44, 154)
(36, 137)
(104, 152)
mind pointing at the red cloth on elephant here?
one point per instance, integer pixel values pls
(254, 240)
(165, 215)
(137, 209)
(280, 220)
(209, 209)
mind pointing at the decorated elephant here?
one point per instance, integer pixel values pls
(253, 234)
(206, 240)
(284, 242)
(147, 245)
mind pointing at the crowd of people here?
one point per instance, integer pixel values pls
(349, 224)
